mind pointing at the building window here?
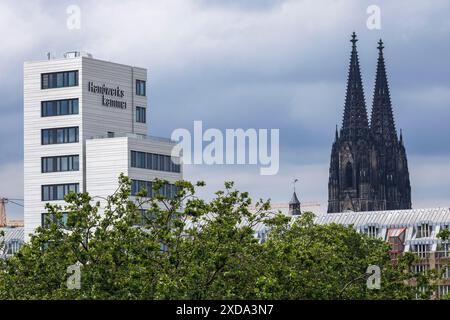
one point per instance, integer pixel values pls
(59, 135)
(141, 115)
(47, 219)
(419, 268)
(59, 79)
(58, 191)
(396, 238)
(153, 161)
(444, 249)
(420, 291)
(167, 190)
(444, 290)
(422, 250)
(13, 246)
(372, 231)
(140, 87)
(60, 163)
(423, 231)
(446, 272)
(145, 216)
(59, 107)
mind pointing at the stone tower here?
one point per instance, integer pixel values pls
(368, 165)
(294, 203)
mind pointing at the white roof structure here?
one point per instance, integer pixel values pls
(419, 226)
(389, 218)
(13, 240)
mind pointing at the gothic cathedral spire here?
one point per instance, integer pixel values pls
(368, 166)
(382, 120)
(354, 123)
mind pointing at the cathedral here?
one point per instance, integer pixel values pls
(368, 166)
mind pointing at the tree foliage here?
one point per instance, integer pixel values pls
(188, 248)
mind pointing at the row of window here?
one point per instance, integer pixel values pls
(60, 163)
(421, 268)
(53, 192)
(59, 135)
(59, 79)
(70, 106)
(48, 218)
(167, 190)
(422, 231)
(59, 107)
(153, 161)
(70, 79)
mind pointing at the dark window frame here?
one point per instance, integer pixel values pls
(141, 114)
(45, 216)
(57, 163)
(167, 190)
(141, 89)
(54, 108)
(50, 80)
(52, 190)
(153, 161)
(53, 135)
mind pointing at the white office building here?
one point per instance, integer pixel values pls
(85, 122)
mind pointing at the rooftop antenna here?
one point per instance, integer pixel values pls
(294, 182)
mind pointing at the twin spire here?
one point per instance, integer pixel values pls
(355, 124)
(382, 119)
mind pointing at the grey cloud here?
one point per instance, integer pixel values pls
(250, 64)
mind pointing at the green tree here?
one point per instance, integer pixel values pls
(330, 262)
(188, 248)
(444, 234)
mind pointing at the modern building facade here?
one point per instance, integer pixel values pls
(85, 122)
(413, 230)
(368, 165)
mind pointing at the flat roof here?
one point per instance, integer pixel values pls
(82, 57)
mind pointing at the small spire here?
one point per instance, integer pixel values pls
(401, 136)
(294, 204)
(354, 40)
(380, 46)
(336, 136)
(294, 199)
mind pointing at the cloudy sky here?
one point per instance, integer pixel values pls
(250, 64)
